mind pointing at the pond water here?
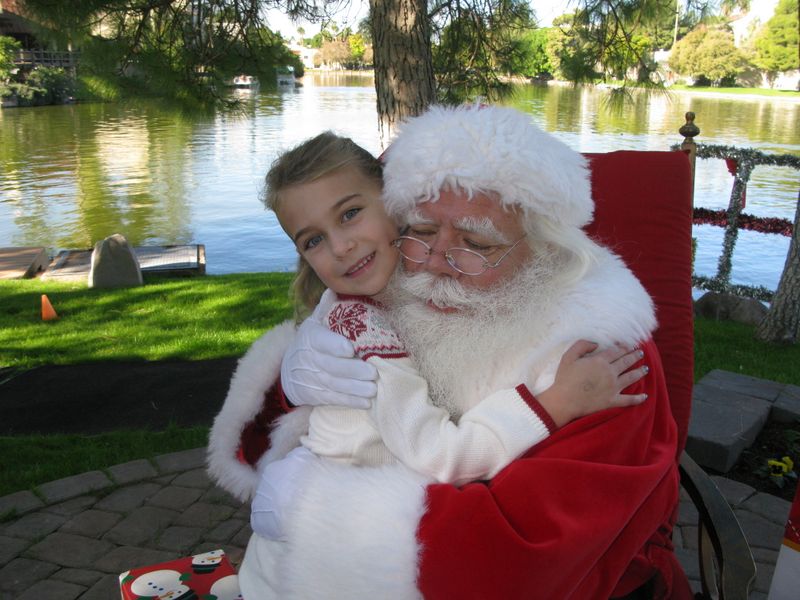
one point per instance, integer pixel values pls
(72, 175)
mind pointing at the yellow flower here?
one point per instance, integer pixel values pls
(780, 467)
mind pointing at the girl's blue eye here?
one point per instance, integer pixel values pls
(350, 213)
(312, 242)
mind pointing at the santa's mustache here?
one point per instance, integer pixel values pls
(440, 291)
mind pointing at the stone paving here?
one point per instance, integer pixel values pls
(73, 537)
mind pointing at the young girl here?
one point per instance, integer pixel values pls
(326, 194)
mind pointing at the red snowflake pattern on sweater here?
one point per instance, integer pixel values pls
(363, 323)
(347, 319)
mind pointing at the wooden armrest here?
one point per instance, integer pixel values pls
(727, 568)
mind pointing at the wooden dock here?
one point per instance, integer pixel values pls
(19, 263)
(74, 265)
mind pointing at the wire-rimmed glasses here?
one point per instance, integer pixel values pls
(463, 260)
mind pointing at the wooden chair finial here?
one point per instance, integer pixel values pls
(688, 130)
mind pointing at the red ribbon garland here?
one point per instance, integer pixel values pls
(704, 216)
(733, 166)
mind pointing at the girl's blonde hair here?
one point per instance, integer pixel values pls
(311, 160)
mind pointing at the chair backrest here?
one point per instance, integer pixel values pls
(643, 212)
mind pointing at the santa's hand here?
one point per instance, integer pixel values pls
(277, 487)
(319, 367)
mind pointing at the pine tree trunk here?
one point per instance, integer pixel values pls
(402, 57)
(782, 322)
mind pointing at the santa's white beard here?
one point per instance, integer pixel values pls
(457, 351)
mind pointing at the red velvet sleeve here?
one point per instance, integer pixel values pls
(255, 435)
(569, 518)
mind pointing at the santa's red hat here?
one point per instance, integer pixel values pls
(482, 149)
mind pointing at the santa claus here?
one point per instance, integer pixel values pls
(585, 514)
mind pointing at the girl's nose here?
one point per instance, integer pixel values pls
(341, 245)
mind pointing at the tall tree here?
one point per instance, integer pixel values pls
(777, 45)
(707, 54)
(782, 322)
(401, 42)
(335, 53)
(476, 43)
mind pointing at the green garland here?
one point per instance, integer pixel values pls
(711, 284)
(746, 159)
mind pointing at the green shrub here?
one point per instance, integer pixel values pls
(8, 49)
(50, 85)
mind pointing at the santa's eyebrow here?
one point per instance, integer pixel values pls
(482, 226)
(414, 217)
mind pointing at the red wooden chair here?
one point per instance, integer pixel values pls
(644, 213)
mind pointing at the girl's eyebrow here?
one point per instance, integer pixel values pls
(333, 208)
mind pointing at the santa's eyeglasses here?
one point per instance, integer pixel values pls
(463, 260)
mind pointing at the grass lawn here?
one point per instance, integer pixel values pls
(178, 318)
(738, 91)
(29, 460)
(732, 347)
(208, 317)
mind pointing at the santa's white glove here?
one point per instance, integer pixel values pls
(277, 487)
(320, 367)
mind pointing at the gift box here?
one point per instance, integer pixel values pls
(207, 576)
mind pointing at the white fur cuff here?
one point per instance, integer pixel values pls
(257, 371)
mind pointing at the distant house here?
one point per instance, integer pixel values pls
(745, 24)
(307, 55)
(14, 24)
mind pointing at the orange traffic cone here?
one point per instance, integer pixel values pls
(48, 312)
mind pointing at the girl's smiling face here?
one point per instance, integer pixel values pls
(339, 225)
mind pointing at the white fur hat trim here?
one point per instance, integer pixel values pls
(482, 149)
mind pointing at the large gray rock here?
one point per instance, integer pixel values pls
(727, 307)
(114, 264)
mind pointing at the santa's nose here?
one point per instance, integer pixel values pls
(437, 263)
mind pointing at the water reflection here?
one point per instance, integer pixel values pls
(71, 175)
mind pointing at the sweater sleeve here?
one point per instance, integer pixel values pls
(486, 438)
